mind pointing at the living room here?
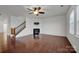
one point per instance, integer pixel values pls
(57, 25)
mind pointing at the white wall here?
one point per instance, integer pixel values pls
(1, 23)
(72, 38)
(53, 26)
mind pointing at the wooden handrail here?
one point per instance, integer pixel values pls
(13, 30)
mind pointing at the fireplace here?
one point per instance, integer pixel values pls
(36, 32)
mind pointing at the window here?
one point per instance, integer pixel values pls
(71, 30)
(74, 21)
(77, 30)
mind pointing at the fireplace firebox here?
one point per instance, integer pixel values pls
(36, 32)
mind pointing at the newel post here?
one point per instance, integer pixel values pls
(13, 37)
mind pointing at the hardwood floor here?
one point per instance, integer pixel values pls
(1, 41)
(45, 44)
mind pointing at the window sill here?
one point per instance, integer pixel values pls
(77, 36)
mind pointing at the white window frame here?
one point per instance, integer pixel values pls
(74, 21)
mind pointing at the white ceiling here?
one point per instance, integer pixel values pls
(50, 10)
(16, 10)
(19, 10)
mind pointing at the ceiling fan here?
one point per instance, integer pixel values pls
(36, 11)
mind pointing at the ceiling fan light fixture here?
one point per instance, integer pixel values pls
(36, 12)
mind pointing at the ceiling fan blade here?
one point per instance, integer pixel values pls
(30, 13)
(35, 8)
(29, 9)
(41, 12)
(39, 8)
